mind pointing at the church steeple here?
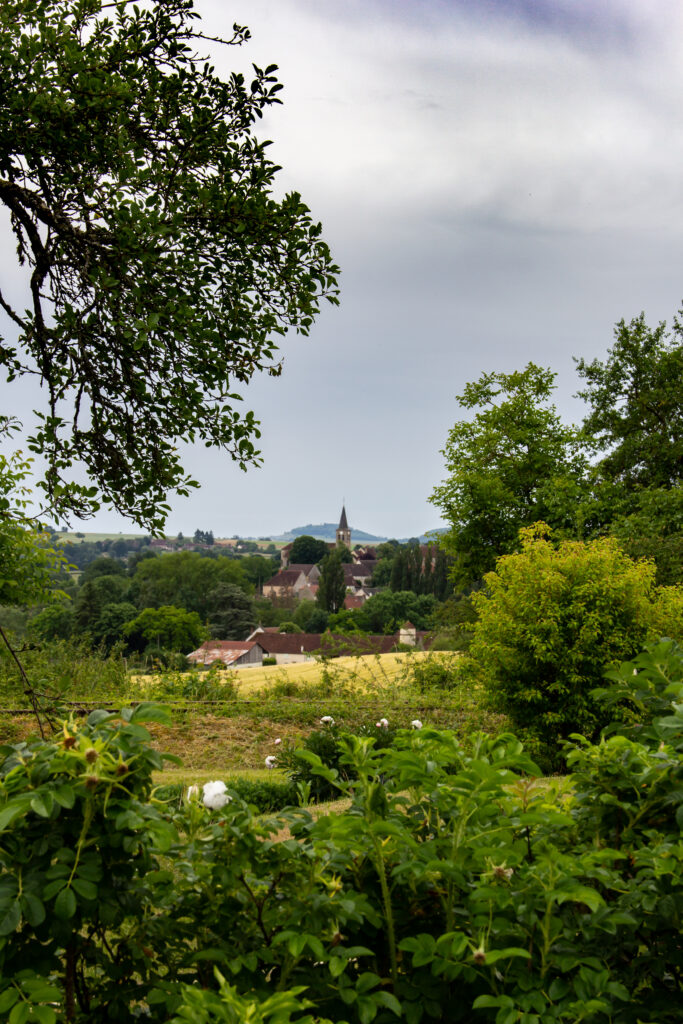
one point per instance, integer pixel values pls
(343, 531)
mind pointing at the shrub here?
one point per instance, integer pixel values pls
(456, 889)
(434, 673)
(265, 795)
(551, 621)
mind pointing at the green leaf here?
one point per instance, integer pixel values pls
(8, 998)
(88, 890)
(65, 904)
(11, 919)
(581, 894)
(367, 1010)
(33, 909)
(388, 1000)
(44, 1014)
(42, 804)
(65, 796)
(147, 712)
(337, 965)
(492, 955)
(20, 1013)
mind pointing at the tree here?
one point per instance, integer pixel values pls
(307, 550)
(231, 612)
(173, 628)
(28, 563)
(185, 579)
(331, 586)
(102, 566)
(94, 596)
(636, 399)
(109, 627)
(159, 265)
(512, 464)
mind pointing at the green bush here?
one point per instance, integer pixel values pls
(434, 673)
(198, 685)
(266, 795)
(457, 887)
(551, 621)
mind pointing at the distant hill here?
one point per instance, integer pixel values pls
(328, 531)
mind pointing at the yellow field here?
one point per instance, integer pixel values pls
(369, 672)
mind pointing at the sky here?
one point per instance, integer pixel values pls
(499, 182)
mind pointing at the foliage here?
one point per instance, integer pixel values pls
(551, 621)
(28, 563)
(387, 611)
(186, 579)
(67, 670)
(636, 400)
(55, 622)
(205, 685)
(435, 673)
(105, 565)
(159, 264)
(650, 525)
(512, 464)
(642, 693)
(455, 888)
(169, 627)
(307, 550)
(80, 835)
(331, 586)
(233, 616)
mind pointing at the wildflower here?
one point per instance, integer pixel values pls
(192, 792)
(327, 720)
(278, 741)
(270, 761)
(91, 755)
(215, 795)
(382, 724)
(501, 871)
(479, 956)
(416, 724)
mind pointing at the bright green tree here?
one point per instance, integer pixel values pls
(550, 622)
(511, 464)
(161, 259)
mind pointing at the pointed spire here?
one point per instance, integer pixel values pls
(343, 525)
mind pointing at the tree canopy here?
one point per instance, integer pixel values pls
(512, 464)
(331, 586)
(159, 268)
(636, 400)
(307, 550)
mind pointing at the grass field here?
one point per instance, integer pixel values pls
(374, 672)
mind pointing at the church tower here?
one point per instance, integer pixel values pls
(343, 532)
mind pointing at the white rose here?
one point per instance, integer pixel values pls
(215, 795)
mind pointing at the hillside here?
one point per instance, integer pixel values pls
(327, 531)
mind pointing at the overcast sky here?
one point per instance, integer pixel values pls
(499, 180)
